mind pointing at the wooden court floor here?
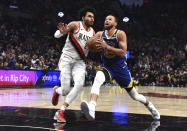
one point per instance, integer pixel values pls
(168, 101)
(30, 109)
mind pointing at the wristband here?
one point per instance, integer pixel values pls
(58, 34)
(106, 46)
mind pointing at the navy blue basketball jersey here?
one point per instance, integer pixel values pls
(107, 57)
(115, 66)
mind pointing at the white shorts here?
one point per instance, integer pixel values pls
(69, 68)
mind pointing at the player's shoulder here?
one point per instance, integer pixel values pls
(121, 33)
(74, 22)
(74, 25)
(99, 33)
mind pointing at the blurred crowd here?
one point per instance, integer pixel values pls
(22, 49)
(156, 36)
(163, 64)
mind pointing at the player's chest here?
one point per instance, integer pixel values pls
(83, 35)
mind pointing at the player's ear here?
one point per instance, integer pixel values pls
(82, 18)
(115, 24)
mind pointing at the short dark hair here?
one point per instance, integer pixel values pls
(115, 16)
(86, 9)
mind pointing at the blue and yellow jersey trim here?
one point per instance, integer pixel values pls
(111, 35)
(110, 77)
(131, 83)
(117, 35)
(101, 34)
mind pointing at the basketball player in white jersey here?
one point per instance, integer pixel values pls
(71, 62)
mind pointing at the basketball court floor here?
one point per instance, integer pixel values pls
(30, 109)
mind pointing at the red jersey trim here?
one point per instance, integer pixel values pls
(77, 46)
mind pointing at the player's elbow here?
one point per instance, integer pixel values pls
(123, 54)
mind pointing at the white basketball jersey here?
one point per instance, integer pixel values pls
(75, 43)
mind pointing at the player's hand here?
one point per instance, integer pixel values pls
(101, 43)
(62, 27)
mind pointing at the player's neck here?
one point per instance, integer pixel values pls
(85, 27)
(110, 32)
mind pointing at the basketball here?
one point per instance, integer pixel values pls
(94, 46)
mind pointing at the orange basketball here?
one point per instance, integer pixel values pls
(94, 46)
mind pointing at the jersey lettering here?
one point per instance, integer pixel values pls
(83, 37)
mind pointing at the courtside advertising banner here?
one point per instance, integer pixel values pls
(32, 78)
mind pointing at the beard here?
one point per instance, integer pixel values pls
(108, 27)
(88, 24)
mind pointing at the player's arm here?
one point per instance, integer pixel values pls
(96, 36)
(122, 41)
(63, 29)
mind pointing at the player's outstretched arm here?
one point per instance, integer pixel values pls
(64, 29)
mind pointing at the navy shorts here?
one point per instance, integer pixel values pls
(120, 73)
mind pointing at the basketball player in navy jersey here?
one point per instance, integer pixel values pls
(71, 62)
(114, 45)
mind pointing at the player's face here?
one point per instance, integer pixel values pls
(89, 19)
(110, 22)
